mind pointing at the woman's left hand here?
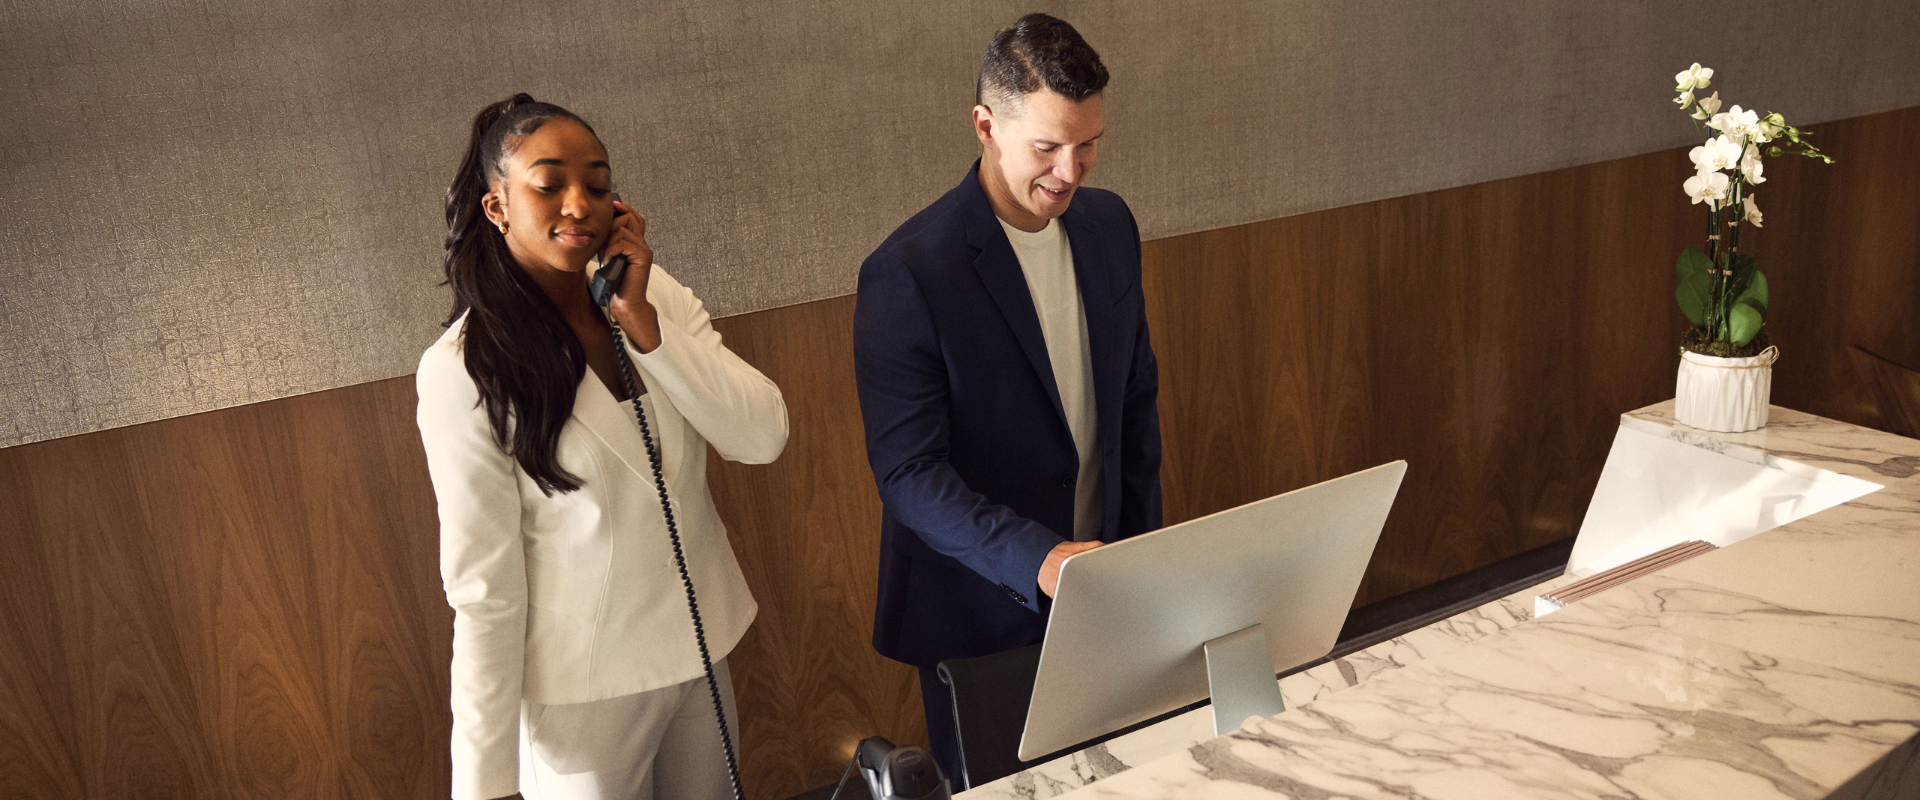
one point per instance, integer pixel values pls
(637, 316)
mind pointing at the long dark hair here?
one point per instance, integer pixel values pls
(519, 350)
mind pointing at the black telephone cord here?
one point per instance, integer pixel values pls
(679, 556)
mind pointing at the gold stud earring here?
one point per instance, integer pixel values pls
(503, 228)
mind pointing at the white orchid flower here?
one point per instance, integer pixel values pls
(1735, 123)
(1726, 151)
(1709, 186)
(1695, 77)
(1750, 165)
(1707, 107)
(1685, 99)
(1752, 214)
(1718, 153)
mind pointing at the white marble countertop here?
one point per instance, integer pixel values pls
(1786, 665)
(1117, 755)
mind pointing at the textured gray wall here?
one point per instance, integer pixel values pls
(218, 202)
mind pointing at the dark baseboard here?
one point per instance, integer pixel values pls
(1377, 622)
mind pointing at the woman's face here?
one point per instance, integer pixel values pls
(556, 199)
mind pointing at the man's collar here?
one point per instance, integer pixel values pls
(978, 210)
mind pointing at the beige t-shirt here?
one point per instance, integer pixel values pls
(1046, 258)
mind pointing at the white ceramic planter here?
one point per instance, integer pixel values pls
(1724, 394)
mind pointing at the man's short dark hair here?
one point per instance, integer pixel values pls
(1038, 50)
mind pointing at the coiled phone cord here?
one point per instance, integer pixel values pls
(679, 556)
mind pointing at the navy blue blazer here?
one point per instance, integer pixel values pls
(965, 432)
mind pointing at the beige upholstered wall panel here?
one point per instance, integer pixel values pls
(210, 203)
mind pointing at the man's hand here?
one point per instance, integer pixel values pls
(1050, 568)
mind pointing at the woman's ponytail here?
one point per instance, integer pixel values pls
(476, 173)
(522, 356)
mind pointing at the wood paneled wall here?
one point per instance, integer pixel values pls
(246, 603)
(243, 603)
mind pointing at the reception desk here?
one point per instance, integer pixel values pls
(1785, 664)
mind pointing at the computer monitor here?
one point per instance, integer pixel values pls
(1212, 607)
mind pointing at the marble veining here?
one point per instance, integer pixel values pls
(1110, 758)
(1794, 441)
(1559, 713)
(1784, 666)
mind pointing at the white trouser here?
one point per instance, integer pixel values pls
(663, 743)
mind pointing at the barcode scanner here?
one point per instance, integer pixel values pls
(895, 773)
(901, 773)
(605, 284)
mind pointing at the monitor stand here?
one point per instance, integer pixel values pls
(1241, 677)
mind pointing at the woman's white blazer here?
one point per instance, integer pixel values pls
(575, 597)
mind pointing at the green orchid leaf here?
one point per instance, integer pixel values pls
(1743, 270)
(1694, 295)
(1745, 322)
(1692, 262)
(1755, 292)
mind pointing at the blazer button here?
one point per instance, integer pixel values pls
(1066, 483)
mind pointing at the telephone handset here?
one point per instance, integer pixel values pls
(605, 284)
(607, 279)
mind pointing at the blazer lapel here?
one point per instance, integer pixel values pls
(1093, 270)
(999, 269)
(611, 421)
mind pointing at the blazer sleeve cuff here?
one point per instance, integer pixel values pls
(674, 347)
(1022, 579)
(485, 776)
(734, 408)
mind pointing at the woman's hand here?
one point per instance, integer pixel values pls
(637, 317)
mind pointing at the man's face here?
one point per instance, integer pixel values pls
(1036, 156)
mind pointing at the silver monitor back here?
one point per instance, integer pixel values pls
(1124, 639)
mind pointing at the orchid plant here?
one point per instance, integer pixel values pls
(1722, 292)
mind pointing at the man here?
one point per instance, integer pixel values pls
(1006, 381)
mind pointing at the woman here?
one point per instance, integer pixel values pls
(575, 667)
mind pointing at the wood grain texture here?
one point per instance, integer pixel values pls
(807, 533)
(1896, 392)
(1492, 334)
(1489, 335)
(243, 603)
(1841, 249)
(246, 603)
